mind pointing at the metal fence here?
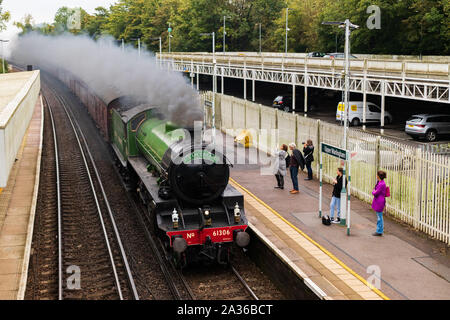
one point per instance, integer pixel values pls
(419, 178)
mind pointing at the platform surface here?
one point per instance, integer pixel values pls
(10, 85)
(410, 265)
(17, 205)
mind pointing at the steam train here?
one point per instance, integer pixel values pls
(183, 184)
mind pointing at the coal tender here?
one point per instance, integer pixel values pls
(182, 182)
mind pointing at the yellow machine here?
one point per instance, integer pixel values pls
(245, 138)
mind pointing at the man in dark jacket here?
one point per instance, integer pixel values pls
(336, 196)
(296, 161)
(308, 151)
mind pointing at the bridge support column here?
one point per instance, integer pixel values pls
(191, 74)
(305, 103)
(364, 95)
(221, 82)
(245, 81)
(383, 93)
(253, 85)
(293, 92)
(198, 80)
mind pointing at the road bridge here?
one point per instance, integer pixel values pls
(427, 80)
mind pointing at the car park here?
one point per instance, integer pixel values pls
(356, 113)
(428, 126)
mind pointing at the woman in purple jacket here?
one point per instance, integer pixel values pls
(379, 201)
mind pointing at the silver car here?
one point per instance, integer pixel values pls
(428, 126)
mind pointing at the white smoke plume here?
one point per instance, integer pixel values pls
(102, 65)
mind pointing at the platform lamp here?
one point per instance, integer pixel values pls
(160, 47)
(213, 34)
(3, 57)
(347, 25)
(287, 28)
(224, 32)
(169, 30)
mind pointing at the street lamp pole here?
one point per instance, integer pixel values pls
(3, 57)
(224, 33)
(287, 28)
(347, 25)
(214, 89)
(170, 36)
(260, 38)
(213, 34)
(139, 44)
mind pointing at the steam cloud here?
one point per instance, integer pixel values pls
(112, 72)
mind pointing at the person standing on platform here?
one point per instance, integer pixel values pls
(280, 166)
(308, 151)
(296, 161)
(379, 201)
(336, 196)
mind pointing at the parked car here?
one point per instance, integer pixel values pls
(284, 103)
(338, 55)
(355, 115)
(428, 126)
(316, 54)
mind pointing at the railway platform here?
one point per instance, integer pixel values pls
(407, 264)
(18, 198)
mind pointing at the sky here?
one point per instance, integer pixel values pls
(43, 10)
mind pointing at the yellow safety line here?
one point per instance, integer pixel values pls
(381, 294)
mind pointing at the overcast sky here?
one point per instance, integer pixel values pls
(44, 10)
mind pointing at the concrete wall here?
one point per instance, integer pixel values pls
(14, 123)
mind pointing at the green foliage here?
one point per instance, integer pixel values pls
(1, 66)
(407, 26)
(4, 17)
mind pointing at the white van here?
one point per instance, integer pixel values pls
(355, 116)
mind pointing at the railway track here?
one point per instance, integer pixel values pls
(91, 260)
(83, 238)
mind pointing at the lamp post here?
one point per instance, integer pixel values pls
(347, 25)
(224, 32)
(160, 47)
(287, 28)
(260, 38)
(213, 34)
(3, 57)
(170, 36)
(139, 44)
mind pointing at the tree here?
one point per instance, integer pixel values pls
(96, 24)
(26, 24)
(72, 20)
(4, 17)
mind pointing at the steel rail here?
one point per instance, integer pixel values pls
(244, 283)
(58, 193)
(118, 287)
(111, 215)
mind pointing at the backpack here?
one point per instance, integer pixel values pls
(326, 220)
(388, 192)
